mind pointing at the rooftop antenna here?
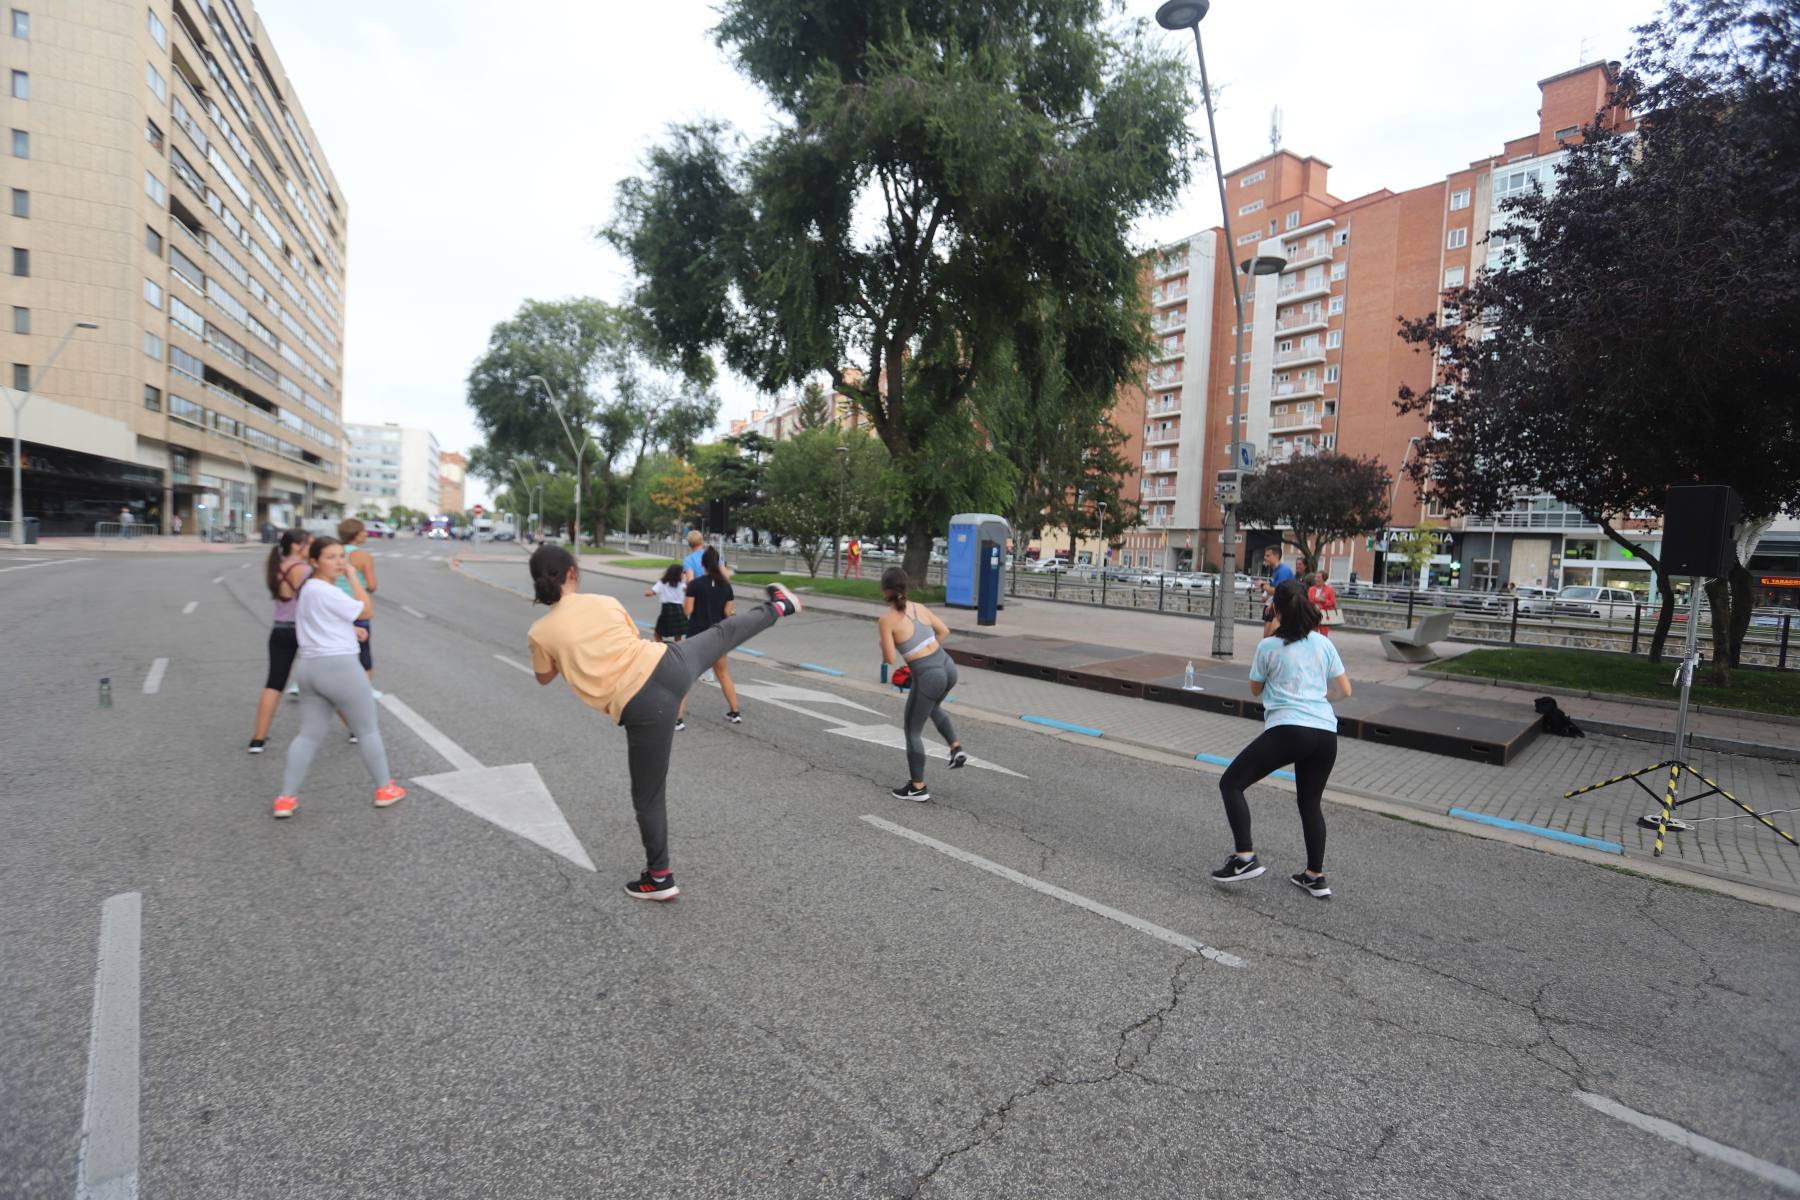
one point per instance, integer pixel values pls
(1275, 129)
(1581, 55)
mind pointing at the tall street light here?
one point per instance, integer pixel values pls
(19, 400)
(1187, 14)
(578, 449)
(1412, 443)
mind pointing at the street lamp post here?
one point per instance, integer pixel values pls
(19, 400)
(837, 537)
(578, 449)
(1393, 494)
(1187, 14)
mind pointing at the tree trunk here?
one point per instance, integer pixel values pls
(1718, 597)
(917, 563)
(1664, 618)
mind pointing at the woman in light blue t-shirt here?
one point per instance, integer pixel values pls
(1294, 673)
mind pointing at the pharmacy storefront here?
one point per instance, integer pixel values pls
(1602, 562)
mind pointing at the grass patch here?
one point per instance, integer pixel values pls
(603, 551)
(1589, 670)
(641, 564)
(825, 585)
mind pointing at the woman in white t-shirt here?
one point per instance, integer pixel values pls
(1294, 674)
(331, 675)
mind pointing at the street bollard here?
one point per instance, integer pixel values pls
(1103, 588)
(1159, 593)
(1409, 607)
(1055, 576)
(1781, 663)
(1512, 637)
(1637, 621)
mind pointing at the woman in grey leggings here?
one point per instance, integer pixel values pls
(331, 676)
(912, 639)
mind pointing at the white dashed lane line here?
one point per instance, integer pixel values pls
(191, 606)
(515, 664)
(410, 611)
(153, 681)
(109, 1117)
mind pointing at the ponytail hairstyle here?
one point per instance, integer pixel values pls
(272, 571)
(893, 587)
(673, 575)
(709, 562)
(1296, 617)
(550, 567)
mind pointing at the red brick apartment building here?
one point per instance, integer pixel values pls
(1324, 359)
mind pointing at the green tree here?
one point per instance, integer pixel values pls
(1313, 501)
(1642, 326)
(617, 396)
(816, 493)
(1415, 547)
(936, 168)
(678, 490)
(814, 409)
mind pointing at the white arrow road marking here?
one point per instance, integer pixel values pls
(514, 797)
(109, 1117)
(1223, 958)
(781, 696)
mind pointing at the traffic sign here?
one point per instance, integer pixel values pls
(478, 510)
(1243, 455)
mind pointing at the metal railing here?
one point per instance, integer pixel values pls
(118, 529)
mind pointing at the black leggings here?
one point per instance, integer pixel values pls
(284, 644)
(1312, 753)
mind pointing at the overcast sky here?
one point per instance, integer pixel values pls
(479, 145)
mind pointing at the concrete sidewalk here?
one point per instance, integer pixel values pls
(836, 638)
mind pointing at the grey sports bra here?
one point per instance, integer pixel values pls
(923, 636)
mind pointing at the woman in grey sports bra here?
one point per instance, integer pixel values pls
(912, 638)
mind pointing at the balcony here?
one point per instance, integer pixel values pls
(1530, 519)
(1308, 256)
(1163, 377)
(1171, 266)
(1296, 422)
(1165, 354)
(1286, 451)
(1171, 438)
(1296, 391)
(1169, 297)
(1296, 292)
(1300, 357)
(1172, 322)
(1158, 414)
(1302, 322)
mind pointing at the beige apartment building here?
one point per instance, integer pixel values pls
(163, 183)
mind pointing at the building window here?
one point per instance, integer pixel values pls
(1328, 441)
(1331, 374)
(1338, 271)
(1568, 131)
(21, 24)
(21, 144)
(1336, 306)
(153, 241)
(153, 135)
(153, 346)
(21, 264)
(1453, 278)
(21, 85)
(21, 377)
(1459, 200)
(1253, 206)
(1244, 239)
(1293, 219)
(152, 398)
(157, 33)
(1253, 177)
(153, 188)
(21, 202)
(1458, 239)
(152, 294)
(1334, 338)
(21, 319)
(154, 78)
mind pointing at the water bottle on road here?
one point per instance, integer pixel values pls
(106, 691)
(1187, 677)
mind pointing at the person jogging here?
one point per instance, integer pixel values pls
(331, 678)
(709, 602)
(1279, 573)
(591, 641)
(912, 641)
(855, 556)
(287, 568)
(1293, 673)
(690, 565)
(353, 534)
(671, 618)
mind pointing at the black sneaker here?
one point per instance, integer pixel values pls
(958, 759)
(257, 744)
(1237, 867)
(907, 791)
(652, 887)
(680, 724)
(1313, 885)
(786, 604)
(735, 717)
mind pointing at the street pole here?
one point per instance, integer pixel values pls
(1393, 494)
(19, 401)
(837, 539)
(579, 450)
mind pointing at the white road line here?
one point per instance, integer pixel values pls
(411, 611)
(153, 681)
(49, 562)
(219, 579)
(191, 606)
(1050, 889)
(432, 736)
(109, 1117)
(516, 665)
(1768, 1172)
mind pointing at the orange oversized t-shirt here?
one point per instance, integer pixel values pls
(595, 644)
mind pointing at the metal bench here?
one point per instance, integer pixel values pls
(1414, 645)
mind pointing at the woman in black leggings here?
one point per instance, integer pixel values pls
(1294, 673)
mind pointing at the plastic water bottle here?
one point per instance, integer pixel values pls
(1187, 677)
(106, 691)
(884, 670)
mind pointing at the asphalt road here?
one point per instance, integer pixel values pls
(417, 1002)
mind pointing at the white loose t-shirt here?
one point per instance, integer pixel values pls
(669, 593)
(322, 620)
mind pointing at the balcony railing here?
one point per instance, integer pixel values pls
(1291, 421)
(1302, 291)
(1306, 256)
(1302, 320)
(1303, 355)
(1522, 519)
(1169, 297)
(1171, 266)
(1297, 391)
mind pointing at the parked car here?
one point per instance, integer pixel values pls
(1582, 601)
(378, 529)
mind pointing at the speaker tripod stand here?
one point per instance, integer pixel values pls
(1677, 765)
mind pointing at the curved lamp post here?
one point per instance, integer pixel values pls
(579, 450)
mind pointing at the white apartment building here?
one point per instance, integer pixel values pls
(392, 465)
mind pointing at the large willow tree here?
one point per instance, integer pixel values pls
(938, 167)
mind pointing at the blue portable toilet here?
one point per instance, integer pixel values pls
(962, 558)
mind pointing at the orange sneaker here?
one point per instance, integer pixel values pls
(385, 796)
(285, 806)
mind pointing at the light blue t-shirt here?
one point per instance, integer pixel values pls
(691, 564)
(1294, 678)
(1280, 575)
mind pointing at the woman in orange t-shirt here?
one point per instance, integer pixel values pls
(591, 641)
